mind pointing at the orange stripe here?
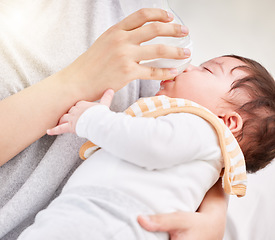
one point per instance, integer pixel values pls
(83, 149)
(187, 102)
(234, 153)
(130, 112)
(173, 102)
(239, 190)
(238, 164)
(143, 106)
(240, 177)
(157, 103)
(229, 139)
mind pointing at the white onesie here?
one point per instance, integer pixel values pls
(168, 163)
(144, 166)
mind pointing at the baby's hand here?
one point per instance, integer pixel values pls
(67, 122)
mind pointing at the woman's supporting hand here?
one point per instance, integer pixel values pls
(208, 223)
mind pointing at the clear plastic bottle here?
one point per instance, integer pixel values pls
(184, 42)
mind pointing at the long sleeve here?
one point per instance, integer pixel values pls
(148, 142)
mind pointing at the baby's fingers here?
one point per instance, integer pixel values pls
(107, 97)
(60, 129)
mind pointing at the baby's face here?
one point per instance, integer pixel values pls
(207, 84)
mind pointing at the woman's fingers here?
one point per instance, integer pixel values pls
(161, 51)
(167, 222)
(142, 16)
(115, 55)
(152, 30)
(152, 73)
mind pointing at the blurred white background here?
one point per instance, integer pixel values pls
(246, 28)
(242, 27)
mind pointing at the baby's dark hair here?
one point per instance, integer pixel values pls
(258, 114)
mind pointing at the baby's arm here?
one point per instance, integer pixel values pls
(67, 122)
(147, 142)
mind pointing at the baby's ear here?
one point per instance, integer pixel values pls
(233, 121)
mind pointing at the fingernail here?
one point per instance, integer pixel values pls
(184, 29)
(170, 15)
(151, 224)
(173, 71)
(146, 218)
(187, 52)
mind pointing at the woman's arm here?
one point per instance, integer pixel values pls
(111, 62)
(208, 223)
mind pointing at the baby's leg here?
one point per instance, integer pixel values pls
(89, 214)
(68, 217)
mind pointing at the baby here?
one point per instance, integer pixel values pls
(163, 164)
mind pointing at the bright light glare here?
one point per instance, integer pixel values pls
(16, 17)
(16, 20)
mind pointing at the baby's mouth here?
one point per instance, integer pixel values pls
(163, 82)
(168, 80)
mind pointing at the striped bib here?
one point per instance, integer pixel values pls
(234, 172)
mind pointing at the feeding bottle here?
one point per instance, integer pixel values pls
(183, 42)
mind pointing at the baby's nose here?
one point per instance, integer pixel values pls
(190, 68)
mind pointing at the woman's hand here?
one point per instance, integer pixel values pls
(206, 224)
(67, 122)
(183, 225)
(113, 60)
(179, 225)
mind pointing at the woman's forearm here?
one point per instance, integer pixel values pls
(214, 209)
(215, 198)
(25, 116)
